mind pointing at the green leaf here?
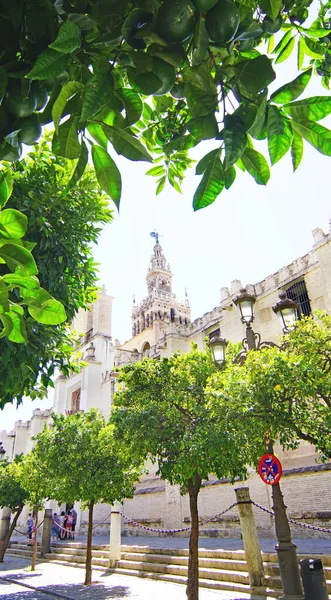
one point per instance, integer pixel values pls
(68, 38)
(204, 162)
(291, 91)
(229, 177)
(108, 175)
(65, 142)
(14, 222)
(256, 165)
(199, 102)
(155, 171)
(18, 332)
(96, 131)
(200, 42)
(315, 32)
(286, 52)
(160, 185)
(7, 325)
(133, 105)
(126, 145)
(296, 150)
(279, 135)
(317, 135)
(79, 170)
(313, 49)
(235, 139)
(271, 7)
(260, 118)
(98, 91)
(143, 83)
(48, 64)
(14, 280)
(203, 128)
(283, 42)
(309, 109)
(18, 259)
(50, 312)
(255, 74)
(211, 184)
(6, 186)
(69, 89)
(3, 82)
(301, 54)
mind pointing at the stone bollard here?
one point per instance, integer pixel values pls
(115, 534)
(47, 531)
(250, 539)
(4, 525)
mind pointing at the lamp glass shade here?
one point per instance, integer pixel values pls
(288, 317)
(246, 310)
(218, 349)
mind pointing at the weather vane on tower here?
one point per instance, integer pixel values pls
(155, 235)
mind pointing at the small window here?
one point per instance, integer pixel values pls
(75, 401)
(215, 333)
(298, 292)
(172, 315)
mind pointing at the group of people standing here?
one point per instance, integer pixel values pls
(64, 525)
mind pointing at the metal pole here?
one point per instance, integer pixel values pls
(251, 540)
(286, 550)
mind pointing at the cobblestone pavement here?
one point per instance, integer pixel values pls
(66, 583)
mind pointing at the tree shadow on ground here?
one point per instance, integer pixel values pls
(67, 591)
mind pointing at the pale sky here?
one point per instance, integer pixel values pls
(249, 232)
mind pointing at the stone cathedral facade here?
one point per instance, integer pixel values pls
(161, 325)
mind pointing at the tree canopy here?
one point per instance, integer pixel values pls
(163, 412)
(81, 460)
(150, 79)
(62, 229)
(284, 392)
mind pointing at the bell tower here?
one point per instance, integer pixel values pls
(159, 311)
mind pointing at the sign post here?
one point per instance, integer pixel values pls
(270, 469)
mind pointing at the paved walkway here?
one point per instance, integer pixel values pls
(67, 583)
(304, 546)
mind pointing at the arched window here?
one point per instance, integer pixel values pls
(172, 315)
(146, 349)
(298, 292)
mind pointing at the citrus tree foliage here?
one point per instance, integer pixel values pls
(285, 394)
(150, 79)
(82, 461)
(163, 412)
(20, 290)
(62, 228)
(12, 494)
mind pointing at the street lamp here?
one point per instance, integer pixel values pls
(287, 310)
(2, 450)
(218, 346)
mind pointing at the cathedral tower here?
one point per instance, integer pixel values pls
(159, 312)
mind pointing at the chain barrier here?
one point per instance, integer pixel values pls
(154, 530)
(78, 531)
(305, 525)
(25, 532)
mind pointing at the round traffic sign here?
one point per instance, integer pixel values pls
(270, 469)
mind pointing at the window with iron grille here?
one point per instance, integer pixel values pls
(298, 292)
(215, 333)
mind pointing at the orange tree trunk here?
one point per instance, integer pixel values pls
(10, 531)
(34, 554)
(88, 564)
(192, 589)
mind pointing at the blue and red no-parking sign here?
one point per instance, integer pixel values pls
(270, 469)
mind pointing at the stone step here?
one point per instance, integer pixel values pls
(206, 583)
(212, 563)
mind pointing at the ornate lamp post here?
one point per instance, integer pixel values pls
(2, 450)
(287, 310)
